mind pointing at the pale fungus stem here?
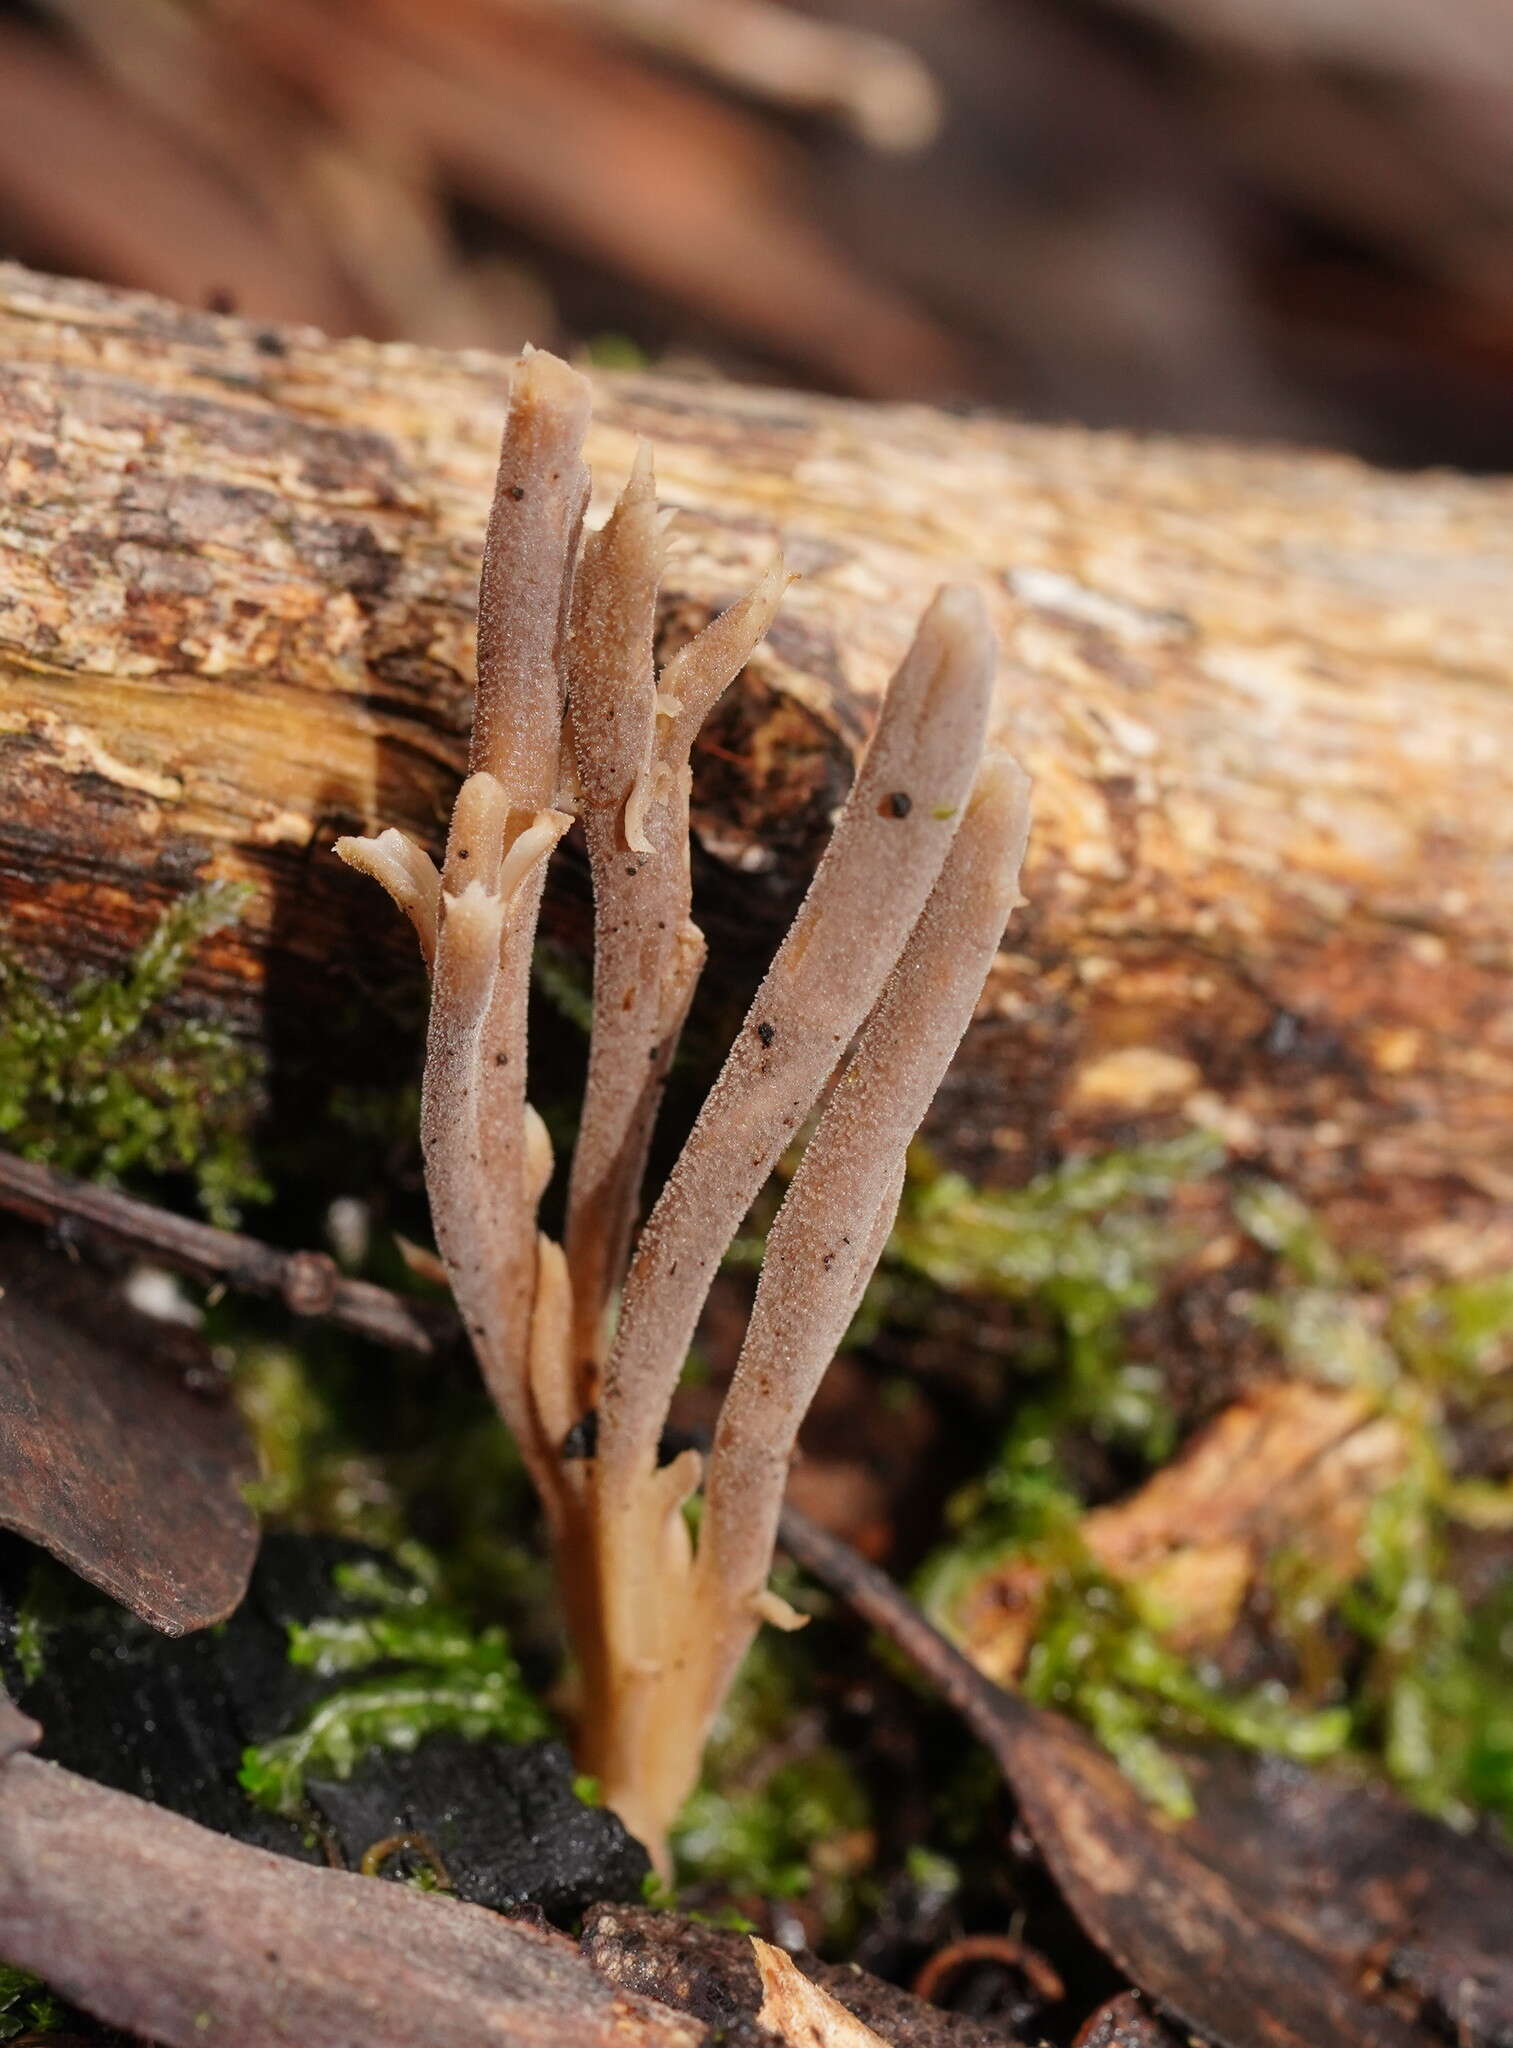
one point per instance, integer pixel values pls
(871, 991)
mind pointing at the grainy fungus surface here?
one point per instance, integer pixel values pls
(860, 1013)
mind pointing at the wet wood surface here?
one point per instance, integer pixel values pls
(1265, 695)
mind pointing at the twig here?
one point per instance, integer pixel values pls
(991, 1713)
(308, 1283)
(988, 1948)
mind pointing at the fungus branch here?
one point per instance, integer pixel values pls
(892, 943)
(632, 744)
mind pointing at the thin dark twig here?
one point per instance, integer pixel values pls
(308, 1283)
(991, 1713)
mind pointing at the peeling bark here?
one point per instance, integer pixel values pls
(1264, 696)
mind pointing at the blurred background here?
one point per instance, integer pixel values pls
(1280, 219)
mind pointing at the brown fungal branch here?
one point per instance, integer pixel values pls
(867, 998)
(632, 740)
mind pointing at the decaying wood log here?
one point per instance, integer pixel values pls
(157, 1924)
(1265, 695)
(163, 1927)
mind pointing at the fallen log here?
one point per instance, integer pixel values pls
(1265, 695)
(163, 1927)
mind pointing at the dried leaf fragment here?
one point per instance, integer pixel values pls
(1291, 1465)
(799, 2012)
(114, 1460)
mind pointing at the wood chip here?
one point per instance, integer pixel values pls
(713, 1974)
(799, 2012)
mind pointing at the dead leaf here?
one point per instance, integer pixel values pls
(119, 1451)
(799, 2012)
(1178, 1924)
(71, 146)
(1291, 1465)
(1372, 1884)
(1252, 1922)
(677, 189)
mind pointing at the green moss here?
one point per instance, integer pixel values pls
(1083, 1248)
(51, 1596)
(1097, 1658)
(26, 2005)
(376, 1452)
(566, 983)
(1091, 1227)
(1459, 1333)
(102, 1082)
(1278, 1219)
(31, 1657)
(614, 351)
(764, 1838)
(775, 1815)
(1394, 1665)
(310, 1476)
(432, 1673)
(936, 1879)
(384, 1121)
(1427, 1677)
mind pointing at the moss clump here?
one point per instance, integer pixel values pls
(1093, 1236)
(1394, 1664)
(26, 2005)
(779, 1813)
(765, 1839)
(566, 984)
(1083, 1248)
(102, 1083)
(431, 1673)
(1427, 1675)
(1096, 1658)
(310, 1476)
